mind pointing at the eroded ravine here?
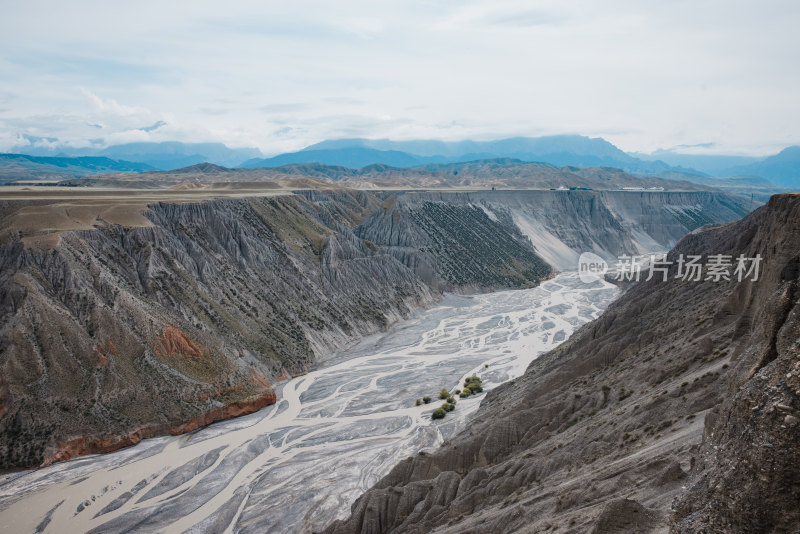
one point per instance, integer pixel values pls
(336, 431)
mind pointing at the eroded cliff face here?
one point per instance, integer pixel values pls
(189, 313)
(560, 224)
(747, 477)
(121, 333)
(677, 409)
(453, 244)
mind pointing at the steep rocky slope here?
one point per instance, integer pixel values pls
(118, 325)
(560, 224)
(119, 333)
(677, 409)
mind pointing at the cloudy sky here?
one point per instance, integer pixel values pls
(706, 76)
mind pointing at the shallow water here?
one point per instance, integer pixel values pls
(334, 432)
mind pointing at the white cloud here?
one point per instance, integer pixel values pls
(112, 107)
(128, 136)
(281, 76)
(362, 27)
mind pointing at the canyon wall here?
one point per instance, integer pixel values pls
(191, 312)
(678, 409)
(559, 224)
(119, 333)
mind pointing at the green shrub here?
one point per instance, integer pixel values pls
(458, 391)
(438, 413)
(485, 365)
(448, 407)
(451, 400)
(444, 394)
(473, 383)
(466, 392)
(426, 399)
(419, 402)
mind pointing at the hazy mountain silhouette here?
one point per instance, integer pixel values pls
(353, 157)
(167, 155)
(22, 167)
(559, 150)
(709, 164)
(781, 169)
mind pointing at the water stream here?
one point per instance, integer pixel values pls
(295, 466)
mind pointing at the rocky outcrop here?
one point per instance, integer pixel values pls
(676, 409)
(747, 477)
(173, 343)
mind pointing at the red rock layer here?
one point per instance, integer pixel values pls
(87, 445)
(174, 343)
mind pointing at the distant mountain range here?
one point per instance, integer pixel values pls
(352, 157)
(559, 150)
(782, 170)
(163, 156)
(33, 169)
(711, 165)
(475, 175)
(596, 147)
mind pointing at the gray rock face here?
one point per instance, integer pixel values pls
(676, 409)
(120, 333)
(121, 328)
(439, 227)
(452, 244)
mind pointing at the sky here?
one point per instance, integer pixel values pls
(690, 76)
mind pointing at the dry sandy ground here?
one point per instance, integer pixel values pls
(39, 214)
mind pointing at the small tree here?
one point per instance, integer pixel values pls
(474, 384)
(472, 379)
(438, 413)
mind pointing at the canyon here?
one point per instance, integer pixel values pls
(676, 410)
(141, 318)
(400, 268)
(298, 465)
(274, 331)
